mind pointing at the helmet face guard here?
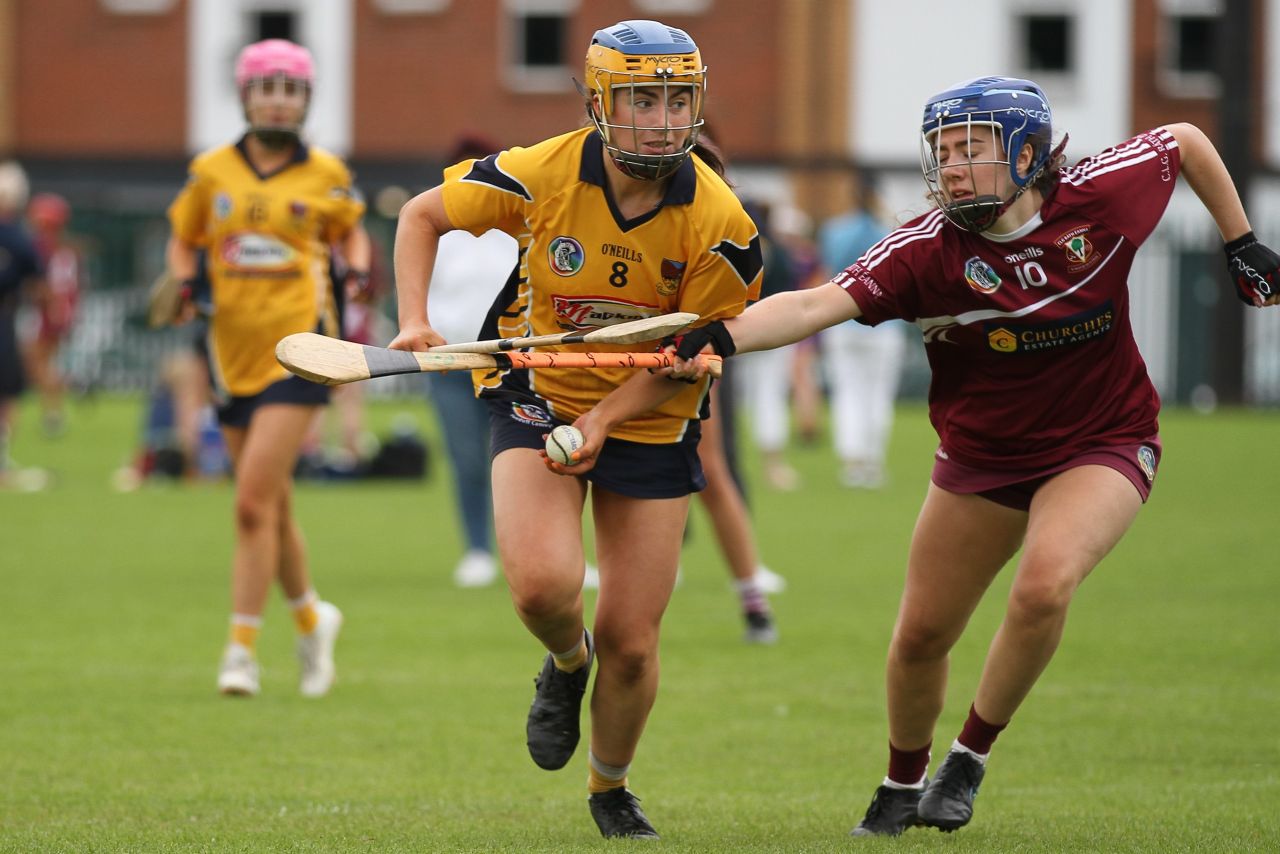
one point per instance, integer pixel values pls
(637, 56)
(272, 63)
(1017, 113)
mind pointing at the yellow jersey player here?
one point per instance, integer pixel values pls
(265, 211)
(624, 219)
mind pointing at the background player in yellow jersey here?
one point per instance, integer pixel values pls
(266, 209)
(615, 222)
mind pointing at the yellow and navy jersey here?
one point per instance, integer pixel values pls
(582, 265)
(267, 239)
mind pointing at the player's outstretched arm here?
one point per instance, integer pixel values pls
(1253, 267)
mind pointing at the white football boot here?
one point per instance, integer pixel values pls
(315, 651)
(238, 673)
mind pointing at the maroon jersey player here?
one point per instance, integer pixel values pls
(1043, 407)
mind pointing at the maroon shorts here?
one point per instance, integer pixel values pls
(1138, 462)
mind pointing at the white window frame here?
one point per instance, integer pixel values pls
(523, 78)
(1065, 83)
(411, 7)
(1172, 81)
(138, 7)
(672, 7)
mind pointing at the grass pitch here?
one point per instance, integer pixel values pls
(1153, 730)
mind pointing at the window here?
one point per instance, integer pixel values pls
(1188, 38)
(1193, 43)
(538, 56)
(274, 24)
(1047, 43)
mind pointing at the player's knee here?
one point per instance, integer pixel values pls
(919, 642)
(1041, 596)
(630, 656)
(253, 515)
(541, 596)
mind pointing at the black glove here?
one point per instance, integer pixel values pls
(691, 343)
(1253, 268)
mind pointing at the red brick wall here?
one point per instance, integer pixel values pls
(92, 83)
(421, 80)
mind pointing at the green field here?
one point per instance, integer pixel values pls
(1155, 729)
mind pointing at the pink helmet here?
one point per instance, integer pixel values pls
(273, 57)
(48, 211)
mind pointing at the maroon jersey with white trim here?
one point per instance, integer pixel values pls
(1028, 334)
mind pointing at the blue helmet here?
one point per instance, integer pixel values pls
(1018, 110)
(648, 54)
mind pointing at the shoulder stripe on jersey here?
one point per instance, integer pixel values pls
(927, 228)
(746, 261)
(936, 327)
(1122, 156)
(488, 172)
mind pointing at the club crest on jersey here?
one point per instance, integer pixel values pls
(587, 312)
(672, 273)
(531, 414)
(980, 276)
(566, 256)
(221, 206)
(1147, 462)
(1078, 249)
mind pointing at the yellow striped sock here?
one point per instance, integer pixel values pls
(571, 660)
(245, 634)
(602, 777)
(304, 612)
(597, 782)
(305, 617)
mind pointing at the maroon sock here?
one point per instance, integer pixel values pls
(908, 766)
(978, 735)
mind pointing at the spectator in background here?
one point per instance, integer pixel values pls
(267, 208)
(768, 374)
(356, 294)
(863, 364)
(49, 214)
(468, 274)
(793, 229)
(20, 273)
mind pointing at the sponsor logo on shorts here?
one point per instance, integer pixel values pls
(1030, 338)
(1076, 245)
(585, 312)
(1147, 462)
(980, 276)
(566, 256)
(257, 253)
(531, 414)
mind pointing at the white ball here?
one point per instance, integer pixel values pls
(562, 442)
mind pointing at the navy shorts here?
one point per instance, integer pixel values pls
(634, 469)
(294, 390)
(1138, 462)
